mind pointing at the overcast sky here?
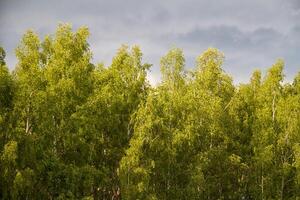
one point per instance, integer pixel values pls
(251, 33)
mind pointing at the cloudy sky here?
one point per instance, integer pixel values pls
(251, 33)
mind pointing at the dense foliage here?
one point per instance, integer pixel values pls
(70, 129)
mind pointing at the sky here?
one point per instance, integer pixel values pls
(252, 34)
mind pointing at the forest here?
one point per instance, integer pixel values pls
(71, 129)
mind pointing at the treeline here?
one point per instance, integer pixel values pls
(70, 129)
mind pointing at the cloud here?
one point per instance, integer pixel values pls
(252, 34)
(295, 4)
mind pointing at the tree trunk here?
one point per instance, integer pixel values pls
(282, 187)
(273, 107)
(262, 183)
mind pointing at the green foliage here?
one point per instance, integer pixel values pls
(70, 129)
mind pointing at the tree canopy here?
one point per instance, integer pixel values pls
(73, 129)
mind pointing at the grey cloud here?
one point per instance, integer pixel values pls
(295, 4)
(245, 50)
(231, 37)
(251, 33)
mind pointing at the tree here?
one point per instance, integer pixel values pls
(7, 146)
(105, 119)
(148, 170)
(71, 129)
(6, 101)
